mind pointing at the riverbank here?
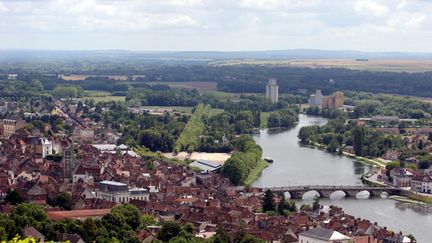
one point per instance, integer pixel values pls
(256, 172)
(374, 162)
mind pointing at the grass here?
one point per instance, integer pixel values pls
(101, 96)
(189, 138)
(256, 172)
(264, 119)
(421, 198)
(185, 109)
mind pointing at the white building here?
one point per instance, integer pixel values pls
(322, 235)
(272, 90)
(120, 193)
(315, 100)
(46, 147)
(422, 184)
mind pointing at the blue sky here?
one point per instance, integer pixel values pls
(221, 25)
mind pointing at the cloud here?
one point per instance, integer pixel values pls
(3, 8)
(369, 7)
(216, 24)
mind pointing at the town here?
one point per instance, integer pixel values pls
(62, 155)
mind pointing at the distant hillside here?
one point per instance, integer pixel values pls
(6, 54)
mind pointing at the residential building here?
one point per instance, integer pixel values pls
(422, 183)
(9, 125)
(272, 90)
(401, 177)
(334, 101)
(119, 192)
(315, 100)
(44, 147)
(323, 235)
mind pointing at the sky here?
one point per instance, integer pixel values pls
(217, 25)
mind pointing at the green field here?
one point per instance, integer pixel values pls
(185, 109)
(189, 138)
(101, 96)
(264, 118)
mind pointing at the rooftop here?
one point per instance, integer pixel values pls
(325, 234)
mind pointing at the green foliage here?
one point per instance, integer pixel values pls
(189, 138)
(13, 197)
(67, 91)
(268, 201)
(242, 162)
(359, 142)
(63, 200)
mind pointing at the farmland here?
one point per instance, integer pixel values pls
(210, 86)
(389, 65)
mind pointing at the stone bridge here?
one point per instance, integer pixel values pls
(297, 192)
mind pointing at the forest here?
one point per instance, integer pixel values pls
(247, 78)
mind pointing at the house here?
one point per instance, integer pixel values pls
(9, 125)
(119, 192)
(401, 177)
(30, 231)
(322, 235)
(422, 183)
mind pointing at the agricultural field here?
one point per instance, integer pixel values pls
(102, 96)
(390, 65)
(184, 109)
(208, 86)
(79, 77)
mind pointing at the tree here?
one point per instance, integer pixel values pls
(63, 200)
(358, 140)
(421, 145)
(13, 197)
(268, 203)
(274, 120)
(282, 204)
(424, 164)
(146, 220)
(169, 230)
(333, 146)
(221, 235)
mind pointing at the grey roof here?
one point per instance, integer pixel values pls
(112, 183)
(324, 234)
(206, 165)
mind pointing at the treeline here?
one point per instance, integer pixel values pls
(239, 165)
(253, 78)
(368, 104)
(283, 118)
(337, 136)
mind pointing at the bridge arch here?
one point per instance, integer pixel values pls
(310, 194)
(339, 194)
(364, 194)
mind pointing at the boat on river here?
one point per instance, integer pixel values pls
(268, 159)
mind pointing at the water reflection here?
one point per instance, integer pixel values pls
(295, 164)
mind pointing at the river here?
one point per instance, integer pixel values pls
(295, 164)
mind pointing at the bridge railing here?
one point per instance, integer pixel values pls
(324, 187)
